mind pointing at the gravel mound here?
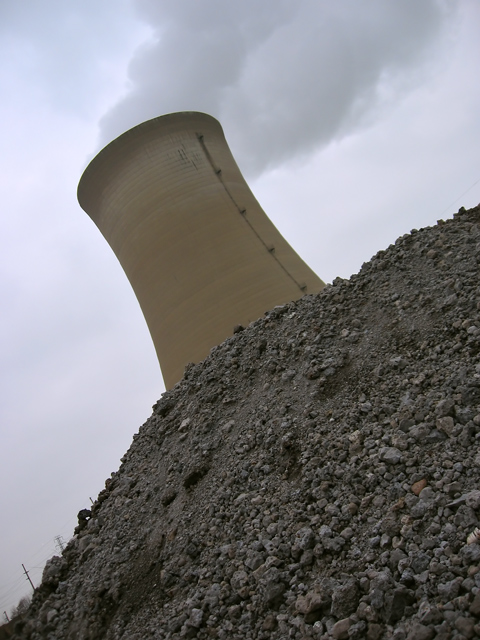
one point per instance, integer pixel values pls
(317, 476)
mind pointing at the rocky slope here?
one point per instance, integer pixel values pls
(317, 476)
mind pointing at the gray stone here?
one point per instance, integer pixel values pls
(196, 618)
(465, 626)
(472, 499)
(375, 631)
(449, 590)
(311, 602)
(345, 599)
(304, 538)
(475, 606)
(465, 517)
(419, 432)
(420, 562)
(395, 603)
(253, 560)
(238, 580)
(390, 455)
(271, 585)
(419, 510)
(340, 629)
(429, 614)
(421, 632)
(444, 407)
(380, 584)
(470, 553)
(445, 425)
(333, 545)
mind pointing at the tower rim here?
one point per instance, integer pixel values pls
(134, 132)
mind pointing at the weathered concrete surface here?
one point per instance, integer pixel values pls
(198, 249)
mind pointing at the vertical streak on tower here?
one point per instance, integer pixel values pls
(199, 251)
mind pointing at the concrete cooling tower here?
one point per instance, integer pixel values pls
(199, 251)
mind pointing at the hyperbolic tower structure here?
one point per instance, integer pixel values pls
(197, 248)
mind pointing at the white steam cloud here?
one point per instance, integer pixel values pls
(282, 76)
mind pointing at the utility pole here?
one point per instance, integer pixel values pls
(28, 577)
(60, 543)
(6, 616)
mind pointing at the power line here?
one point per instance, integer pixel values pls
(12, 584)
(10, 600)
(10, 589)
(460, 196)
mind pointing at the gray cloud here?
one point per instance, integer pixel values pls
(283, 77)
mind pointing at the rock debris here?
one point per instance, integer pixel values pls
(317, 476)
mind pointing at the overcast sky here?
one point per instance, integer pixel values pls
(354, 122)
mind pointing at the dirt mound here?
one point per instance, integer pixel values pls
(317, 476)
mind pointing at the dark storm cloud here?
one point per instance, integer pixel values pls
(283, 77)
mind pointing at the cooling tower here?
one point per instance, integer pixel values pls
(197, 248)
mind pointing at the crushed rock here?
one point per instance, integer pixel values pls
(316, 476)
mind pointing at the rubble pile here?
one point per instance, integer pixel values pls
(317, 476)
